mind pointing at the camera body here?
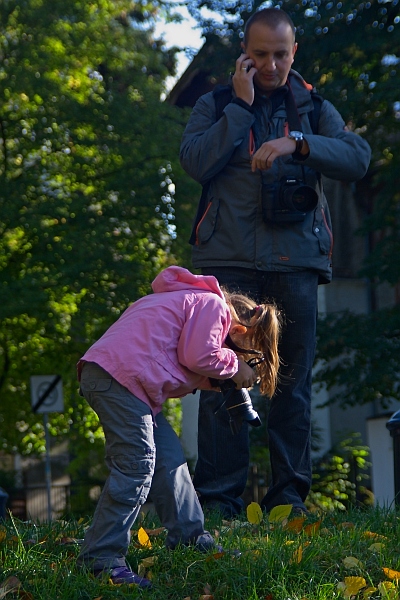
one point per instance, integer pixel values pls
(238, 404)
(287, 200)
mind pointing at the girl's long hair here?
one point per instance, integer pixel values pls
(264, 325)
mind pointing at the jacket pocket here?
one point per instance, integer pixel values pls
(207, 225)
(323, 232)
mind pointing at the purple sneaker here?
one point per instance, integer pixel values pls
(123, 575)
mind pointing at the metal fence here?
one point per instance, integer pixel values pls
(65, 500)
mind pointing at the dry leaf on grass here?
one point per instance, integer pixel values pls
(10, 584)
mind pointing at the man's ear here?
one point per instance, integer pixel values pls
(238, 329)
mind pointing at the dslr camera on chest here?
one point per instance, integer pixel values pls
(287, 200)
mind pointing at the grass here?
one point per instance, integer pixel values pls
(352, 554)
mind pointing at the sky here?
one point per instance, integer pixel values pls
(184, 35)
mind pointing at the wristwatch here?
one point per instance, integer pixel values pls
(298, 137)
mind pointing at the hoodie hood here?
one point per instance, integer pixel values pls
(176, 278)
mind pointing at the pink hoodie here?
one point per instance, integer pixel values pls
(168, 343)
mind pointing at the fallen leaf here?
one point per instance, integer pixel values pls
(254, 513)
(376, 536)
(391, 574)
(143, 538)
(351, 562)
(376, 547)
(312, 528)
(369, 591)
(347, 525)
(215, 556)
(3, 534)
(295, 524)
(24, 595)
(280, 513)
(297, 556)
(10, 584)
(145, 564)
(351, 585)
(388, 590)
(156, 532)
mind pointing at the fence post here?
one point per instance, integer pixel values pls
(394, 427)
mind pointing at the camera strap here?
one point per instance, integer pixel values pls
(291, 110)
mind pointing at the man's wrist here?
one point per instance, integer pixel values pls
(243, 104)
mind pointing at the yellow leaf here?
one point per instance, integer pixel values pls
(391, 574)
(297, 555)
(376, 547)
(387, 590)
(143, 538)
(145, 564)
(254, 513)
(376, 536)
(355, 584)
(350, 562)
(280, 513)
(369, 591)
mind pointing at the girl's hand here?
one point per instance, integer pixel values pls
(245, 377)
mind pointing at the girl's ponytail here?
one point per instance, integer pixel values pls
(264, 323)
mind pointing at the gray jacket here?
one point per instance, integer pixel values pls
(232, 231)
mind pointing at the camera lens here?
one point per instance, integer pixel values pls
(298, 197)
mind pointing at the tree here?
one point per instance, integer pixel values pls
(86, 190)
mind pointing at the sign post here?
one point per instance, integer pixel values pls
(46, 397)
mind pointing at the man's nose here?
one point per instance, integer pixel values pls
(270, 63)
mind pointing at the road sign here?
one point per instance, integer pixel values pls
(46, 393)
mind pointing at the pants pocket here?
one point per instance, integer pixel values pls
(130, 479)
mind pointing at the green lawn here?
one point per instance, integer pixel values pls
(334, 555)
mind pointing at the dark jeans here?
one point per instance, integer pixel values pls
(223, 458)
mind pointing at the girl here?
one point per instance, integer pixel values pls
(164, 345)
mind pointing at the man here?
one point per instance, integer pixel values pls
(266, 232)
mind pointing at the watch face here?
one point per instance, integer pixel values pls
(296, 135)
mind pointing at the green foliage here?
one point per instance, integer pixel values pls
(339, 475)
(87, 159)
(368, 367)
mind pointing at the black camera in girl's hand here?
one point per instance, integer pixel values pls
(238, 404)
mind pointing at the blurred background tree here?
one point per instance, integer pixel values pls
(89, 177)
(87, 159)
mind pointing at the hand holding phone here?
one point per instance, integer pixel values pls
(243, 78)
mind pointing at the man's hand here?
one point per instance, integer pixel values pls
(269, 151)
(245, 377)
(243, 79)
